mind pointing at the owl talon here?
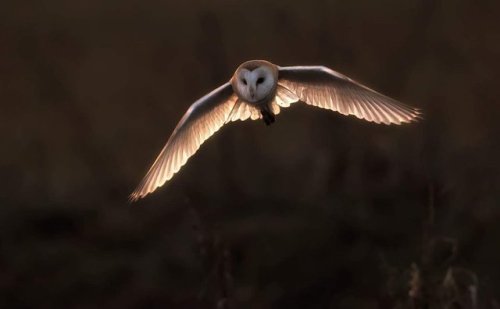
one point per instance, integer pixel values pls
(268, 117)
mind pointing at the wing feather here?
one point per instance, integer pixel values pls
(202, 120)
(285, 97)
(243, 111)
(325, 88)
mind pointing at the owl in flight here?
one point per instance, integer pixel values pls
(258, 90)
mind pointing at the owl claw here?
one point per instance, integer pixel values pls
(268, 117)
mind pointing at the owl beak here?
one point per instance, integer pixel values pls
(252, 92)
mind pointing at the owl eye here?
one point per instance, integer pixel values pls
(244, 81)
(260, 80)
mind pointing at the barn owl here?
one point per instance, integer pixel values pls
(258, 89)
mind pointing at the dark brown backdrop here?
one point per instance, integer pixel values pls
(316, 211)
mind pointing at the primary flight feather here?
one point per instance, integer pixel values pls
(257, 90)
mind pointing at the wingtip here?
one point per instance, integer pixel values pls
(134, 197)
(418, 115)
(415, 116)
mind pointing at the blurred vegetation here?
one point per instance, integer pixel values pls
(316, 211)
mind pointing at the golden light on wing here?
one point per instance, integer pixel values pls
(325, 88)
(243, 111)
(285, 97)
(202, 120)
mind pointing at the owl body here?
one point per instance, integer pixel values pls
(258, 89)
(255, 83)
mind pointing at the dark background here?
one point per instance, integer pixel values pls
(317, 211)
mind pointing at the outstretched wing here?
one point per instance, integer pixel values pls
(202, 120)
(325, 88)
